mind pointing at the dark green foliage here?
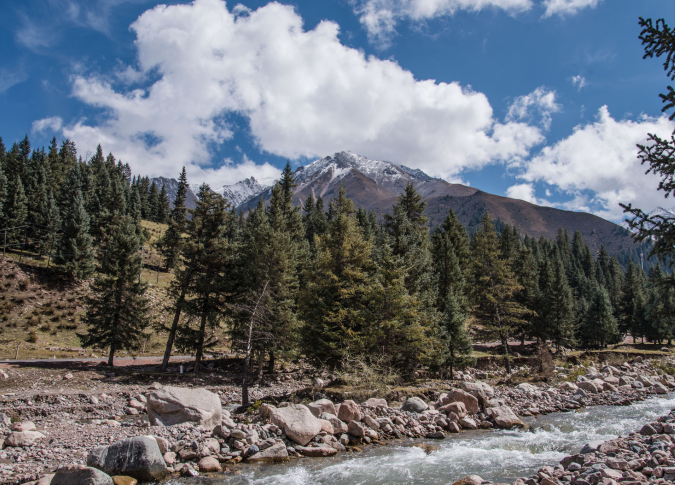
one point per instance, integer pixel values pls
(75, 248)
(632, 304)
(117, 308)
(163, 206)
(170, 245)
(455, 337)
(599, 327)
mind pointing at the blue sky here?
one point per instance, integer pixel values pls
(542, 100)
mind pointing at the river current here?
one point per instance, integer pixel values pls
(496, 455)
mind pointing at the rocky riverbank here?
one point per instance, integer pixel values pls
(75, 429)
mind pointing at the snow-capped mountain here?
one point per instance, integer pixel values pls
(659, 211)
(171, 189)
(240, 193)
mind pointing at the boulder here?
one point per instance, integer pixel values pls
(174, 405)
(23, 426)
(209, 464)
(327, 426)
(591, 447)
(339, 426)
(469, 480)
(475, 387)
(139, 457)
(645, 381)
(588, 386)
(374, 402)
(568, 386)
(317, 451)
(469, 401)
(660, 388)
(526, 387)
(454, 407)
(124, 480)
(356, 429)
(321, 406)
(80, 475)
(275, 453)
(504, 417)
(349, 411)
(414, 405)
(23, 438)
(453, 427)
(370, 422)
(468, 423)
(163, 444)
(297, 421)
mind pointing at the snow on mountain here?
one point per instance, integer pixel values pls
(171, 187)
(659, 211)
(241, 192)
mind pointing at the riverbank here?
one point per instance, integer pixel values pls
(76, 423)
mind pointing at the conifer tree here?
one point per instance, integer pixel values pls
(599, 326)
(118, 308)
(632, 304)
(67, 161)
(153, 203)
(3, 198)
(74, 250)
(316, 223)
(336, 301)
(17, 212)
(170, 245)
(659, 307)
(448, 271)
(493, 288)
(457, 347)
(50, 219)
(526, 271)
(560, 307)
(163, 207)
(53, 159)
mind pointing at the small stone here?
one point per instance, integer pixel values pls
(124, 480)
(209, 464)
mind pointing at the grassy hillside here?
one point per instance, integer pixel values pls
(41, 312)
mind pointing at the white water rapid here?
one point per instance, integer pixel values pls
(499, 456)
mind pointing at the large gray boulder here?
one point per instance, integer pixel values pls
(322, 406)
(470, 401)
(588, 386)
(138, 457)
(23, 438)
(168, 406)
(298, 422)
(414, 405)
(504, 417)
(80, 475)
(475, 388)
(275, 453)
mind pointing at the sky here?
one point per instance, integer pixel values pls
(541, 100)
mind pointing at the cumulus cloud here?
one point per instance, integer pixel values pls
(53, 124)
(526, 192)
(597, 165)
(579, 82)
(539, 102)
(303, 92)
(567, 7)
(380, 17)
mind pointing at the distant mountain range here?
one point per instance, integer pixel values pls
(376, 185)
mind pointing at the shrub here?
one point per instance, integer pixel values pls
(32, 337)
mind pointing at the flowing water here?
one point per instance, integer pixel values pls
(499, 456)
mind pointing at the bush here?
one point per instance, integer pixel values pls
(32, 338)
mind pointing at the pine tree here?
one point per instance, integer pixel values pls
(599, 326)
(50, 220)
(659, 309)
(493, 288)
(153, 203)
(209, 253)
(3, 197)
(74, 250)
(170, 245)
(118, 308)
(526, 271)
(316, 223)
(54, 180)
(336, 301)
(454, 334)
(631, 314)
(163, 207)
(17, 212)
(448, 271)
(560, 307)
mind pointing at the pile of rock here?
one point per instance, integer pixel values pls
(647, 456)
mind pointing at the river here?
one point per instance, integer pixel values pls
(498, 456)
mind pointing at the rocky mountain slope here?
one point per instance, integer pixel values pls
(375, 185)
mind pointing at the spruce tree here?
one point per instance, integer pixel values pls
(163, 207)
(631, 314)
(493, 287)
(457, 347)
(170, 245)
(74, 249)
(599, 326)
(153, 203)
(50, 220)
(3, 198)
(560, 307)
(17, 212)
(336, 301)
(118, 308)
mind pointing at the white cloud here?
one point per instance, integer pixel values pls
(526, 192)
(11, 77)
(598, 166)
(579, 82)
(540, 101)
(303, 92)
(54, 124)
(380, 17)
(567, 7)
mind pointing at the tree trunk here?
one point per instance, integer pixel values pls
(111, 356)
(200, 344)
(247, 360)
(507, 363)
(270, 366)
(174, 324)
(261, 364)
